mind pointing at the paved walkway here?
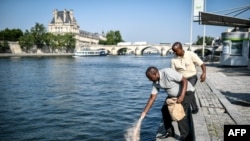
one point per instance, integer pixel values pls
(223, 99)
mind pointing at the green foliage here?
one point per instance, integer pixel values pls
(113, 37)
(49, 39)
(69, 41)
(4, 46)
(208, 40)
(38, 32)
(10, 34)
(102, 42)
(26, 41)
(36, 36)
(39, 37)
(118, 37)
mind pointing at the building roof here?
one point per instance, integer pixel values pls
(222, 20)
(89, 34)
(60, 15)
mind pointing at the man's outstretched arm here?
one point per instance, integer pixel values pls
(148, 105)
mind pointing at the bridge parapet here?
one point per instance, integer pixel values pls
(163, 49)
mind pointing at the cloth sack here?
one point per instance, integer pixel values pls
(176, 110)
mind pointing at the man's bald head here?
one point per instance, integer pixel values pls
(177, 49)
(177, 45)
(152, 73)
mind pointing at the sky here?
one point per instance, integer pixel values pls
(152, 21)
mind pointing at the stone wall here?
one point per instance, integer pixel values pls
(15, 48)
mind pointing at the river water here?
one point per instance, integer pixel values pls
(77, 98)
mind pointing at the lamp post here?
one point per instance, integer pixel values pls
(204, 33)
(191, 26)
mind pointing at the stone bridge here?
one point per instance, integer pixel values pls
(163, 50)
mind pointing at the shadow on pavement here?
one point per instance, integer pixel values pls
(231, 70)
(242, 99)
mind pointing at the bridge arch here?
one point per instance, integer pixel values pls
(166, 51)
(147, 47)
(121, 51)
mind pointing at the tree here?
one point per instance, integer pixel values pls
(26, 41)
(49, 39)
(118, 37)
(10, 34)
(59, 40)
(39, 37)
(102, 42)
(208, 40)
(66, 41)
(69, 41)
(4, 46)
(16, 34)
(113, 37)
(36, 36)
(38, 32)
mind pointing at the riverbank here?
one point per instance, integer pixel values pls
(224, 99)
(34, 54)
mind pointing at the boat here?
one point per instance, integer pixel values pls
(88, 52)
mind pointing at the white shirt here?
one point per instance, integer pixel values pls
(186, 65)
(170, 81)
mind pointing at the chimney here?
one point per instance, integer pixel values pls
(55, 14)
(71, 15)
(64, 15)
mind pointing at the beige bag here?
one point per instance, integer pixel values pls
(176, 110)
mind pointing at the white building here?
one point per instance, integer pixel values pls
(65, 22)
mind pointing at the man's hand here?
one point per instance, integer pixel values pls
(143, 114)
(203, 77)
(183, 91)
(180, 99)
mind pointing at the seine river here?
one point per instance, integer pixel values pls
(77, 98)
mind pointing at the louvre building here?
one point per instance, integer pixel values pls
(65, 22)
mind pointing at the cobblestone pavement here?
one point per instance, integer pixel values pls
(224, 99)
(235, 85)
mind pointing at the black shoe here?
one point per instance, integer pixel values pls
(194, 111)
(168, 134)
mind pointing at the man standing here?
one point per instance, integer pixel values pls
(176, 86)
(185, 63)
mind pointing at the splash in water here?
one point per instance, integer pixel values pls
(133, 133)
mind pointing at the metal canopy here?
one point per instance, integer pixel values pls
(221, 20)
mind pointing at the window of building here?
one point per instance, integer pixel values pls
(236, 48)
(226, 47)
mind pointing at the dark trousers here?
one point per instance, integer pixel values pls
(193, 81)
(184, 124)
